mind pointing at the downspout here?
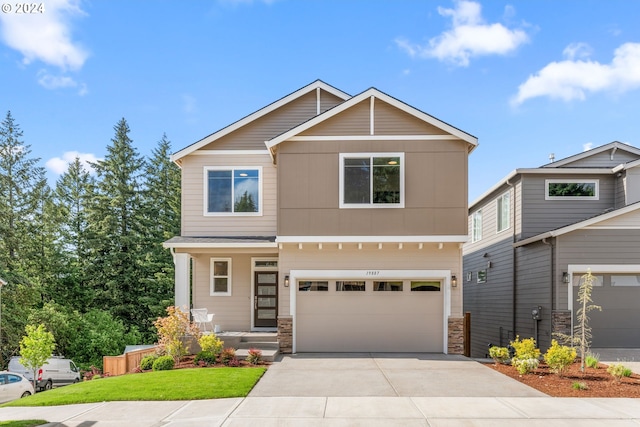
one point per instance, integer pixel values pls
(553, 269)
(513, 264)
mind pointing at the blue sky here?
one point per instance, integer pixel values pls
(528, 78)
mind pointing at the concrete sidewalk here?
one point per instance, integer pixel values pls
(359, 390)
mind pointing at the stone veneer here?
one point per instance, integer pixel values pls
(561, 322)
(456, 335)
(285, 334)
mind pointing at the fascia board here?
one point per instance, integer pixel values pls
(373, 239)
(261, 112)
(473, 141)
(183, 245)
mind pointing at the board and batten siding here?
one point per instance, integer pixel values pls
(490, 303)
(540, 215)
(435, 190)
(390, 257)
(196, 224)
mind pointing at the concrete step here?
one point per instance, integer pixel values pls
(268, 355)
(259, 337)
(262, 345)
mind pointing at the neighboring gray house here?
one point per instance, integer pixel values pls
(537, 231)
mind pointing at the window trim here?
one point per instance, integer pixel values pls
(212, 277)
(371, 205)
(596, 183)
(476, 226)
(500, 203)
(232, 169)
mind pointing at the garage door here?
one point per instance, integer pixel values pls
(369, 315)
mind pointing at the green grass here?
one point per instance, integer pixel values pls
(179, 384)
(22, 423)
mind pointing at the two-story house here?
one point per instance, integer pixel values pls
(537, 231)
(336, 220)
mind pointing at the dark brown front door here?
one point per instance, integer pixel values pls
(265, 303)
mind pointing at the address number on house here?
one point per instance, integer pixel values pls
(373, 272)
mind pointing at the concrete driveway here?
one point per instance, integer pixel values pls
(385, 374)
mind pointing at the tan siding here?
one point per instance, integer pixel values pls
(195, 223)
(353, 121)
(328, 101)
(391, 121)
(435, 191)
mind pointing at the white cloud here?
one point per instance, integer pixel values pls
(45, 36)
(587, 146)
(49, 81)
(59, 165)
(577, 50)
(469, 37)
(573, 79)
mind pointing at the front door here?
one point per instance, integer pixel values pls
(265, 303)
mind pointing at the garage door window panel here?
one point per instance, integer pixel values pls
(350, 286)
(313, 286)
(387, 286)
(425, 286)
(625, 280)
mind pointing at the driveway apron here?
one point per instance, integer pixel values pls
(384, 375)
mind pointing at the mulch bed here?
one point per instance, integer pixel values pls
(599, 383)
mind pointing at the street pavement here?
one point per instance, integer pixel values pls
(340, 390)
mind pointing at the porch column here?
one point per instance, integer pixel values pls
(182, 297)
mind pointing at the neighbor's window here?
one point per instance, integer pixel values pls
(311, 285)
(387, 286)
(482, 276)
(220, 276)
(232, 191)
(425, 286)
(504, 211)
(372, 180)
(476, 226)
(350, 285)
(625, 280)
(568, 189)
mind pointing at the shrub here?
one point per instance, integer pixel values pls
(163, 363)
(227, 355)
(172, 329)
(579, 385)
(147, 362)
(618, 371)
(559, 357)
(525, 349)
(524, 366)
(211, 344)
(592, 361)
(234, 363)
(205, 358)
(499, 354)
(92, 373)
(254, 356)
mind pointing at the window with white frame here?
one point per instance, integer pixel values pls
(371, 180)
(503, 209)
(476, 226)
(571, 189)
(233, 191)
(220, 277)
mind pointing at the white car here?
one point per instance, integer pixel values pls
(14, 386)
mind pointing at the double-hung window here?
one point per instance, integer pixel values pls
(503, 209)
(233, 190)
(476, 226)
(372, 180)
(220, 277)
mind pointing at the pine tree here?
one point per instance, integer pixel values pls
(245, 203)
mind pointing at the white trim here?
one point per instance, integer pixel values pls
(472, 140)
(195, 245)
(373, 239)
(372, 116)
(499, 211)
(317, 101)
(444, 275)
(253, 288)
(370, 205)
(230, 152)
(212, 277)
(476, 223)
(303, 138)
(318, 84)
(594, 181)
(205, 204)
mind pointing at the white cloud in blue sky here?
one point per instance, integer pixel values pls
(59, 165)
(573, 78)
(470, 36)
(46, 37)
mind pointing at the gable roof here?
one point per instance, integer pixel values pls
(634, 207)
(318, 84)
(372, 92)
(613, 146)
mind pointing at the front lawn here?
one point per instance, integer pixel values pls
(179, 384)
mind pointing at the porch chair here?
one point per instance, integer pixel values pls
(201, 316)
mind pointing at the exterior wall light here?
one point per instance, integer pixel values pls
(454, 281)
(286, 281)
(565, 277)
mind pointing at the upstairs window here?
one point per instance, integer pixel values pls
(571, 189)
(504, 211)
(372, 180)
(233, 191)
(476, 226)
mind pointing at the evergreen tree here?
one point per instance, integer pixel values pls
(245, 203)
(116, 231)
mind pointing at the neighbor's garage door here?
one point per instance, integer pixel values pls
(369, 316)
